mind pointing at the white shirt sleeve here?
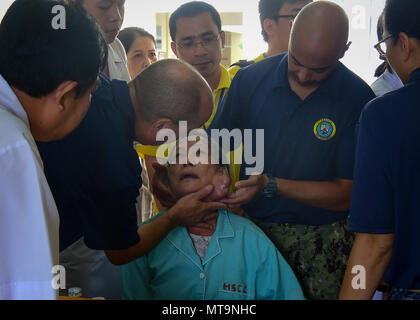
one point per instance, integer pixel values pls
(28, 225)
(117, 61)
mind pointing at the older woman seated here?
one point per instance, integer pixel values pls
(233, 261)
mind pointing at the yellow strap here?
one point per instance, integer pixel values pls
(416, 291)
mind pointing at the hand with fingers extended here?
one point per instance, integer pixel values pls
(192, 210)
(246, 191)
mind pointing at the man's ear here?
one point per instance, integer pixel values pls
(346, 47)
(173, 47)
(64, 92)
(223, 37)
(405, 45)
(163, 123)
(268, 26)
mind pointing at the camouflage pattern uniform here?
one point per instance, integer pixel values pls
(317, 254)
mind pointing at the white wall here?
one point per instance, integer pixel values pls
(4, 4)
(361, 58)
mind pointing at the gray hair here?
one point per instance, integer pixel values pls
(218, 153)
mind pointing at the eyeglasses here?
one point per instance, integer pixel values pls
(286, 16)
(381, 46)
(205, 42)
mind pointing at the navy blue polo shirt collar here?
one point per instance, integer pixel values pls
(414, 76)
(280, 79)
(329, 86)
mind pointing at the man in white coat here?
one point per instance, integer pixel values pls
(43, 97)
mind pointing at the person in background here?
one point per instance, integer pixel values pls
(384, 208)
(234, 261)
(197, 38)
(43, 97)
(140, 47)
(109, 14)
(387, 79)
(308, 104)
(275, 18)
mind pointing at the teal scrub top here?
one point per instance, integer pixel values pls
(241, 263)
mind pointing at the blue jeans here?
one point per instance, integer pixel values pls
(403, 294)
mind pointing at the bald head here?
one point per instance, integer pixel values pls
(169, 89)
(320, 31)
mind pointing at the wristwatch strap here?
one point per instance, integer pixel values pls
(270, 190)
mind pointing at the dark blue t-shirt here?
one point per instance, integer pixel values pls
(386, 188)
(310, 140)
(94, 173)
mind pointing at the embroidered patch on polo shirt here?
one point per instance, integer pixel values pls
(325, 129)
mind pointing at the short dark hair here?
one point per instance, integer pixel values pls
(36, 58)
(166, 89)
(128, 35)
(191, 9)
(403, 16)
(268, 9)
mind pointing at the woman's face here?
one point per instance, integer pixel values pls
(142, 53)
(188, 178)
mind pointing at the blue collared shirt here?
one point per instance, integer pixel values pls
(306, 140)
(94, 173)
(387, 179)
(241, 263)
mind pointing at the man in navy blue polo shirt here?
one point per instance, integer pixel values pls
(94, 173)
(385, 213)
(308, 103)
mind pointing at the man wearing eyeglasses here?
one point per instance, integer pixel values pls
(384, 211)
(197, 38)
(308, 104)
(387, 80)
(276, 17)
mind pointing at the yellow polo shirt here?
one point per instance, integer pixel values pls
(234, 70)
(220, 92)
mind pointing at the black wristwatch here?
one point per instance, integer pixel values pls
(270, 190)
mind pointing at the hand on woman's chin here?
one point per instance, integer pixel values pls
(219, 192)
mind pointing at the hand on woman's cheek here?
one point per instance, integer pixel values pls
(221, 182)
